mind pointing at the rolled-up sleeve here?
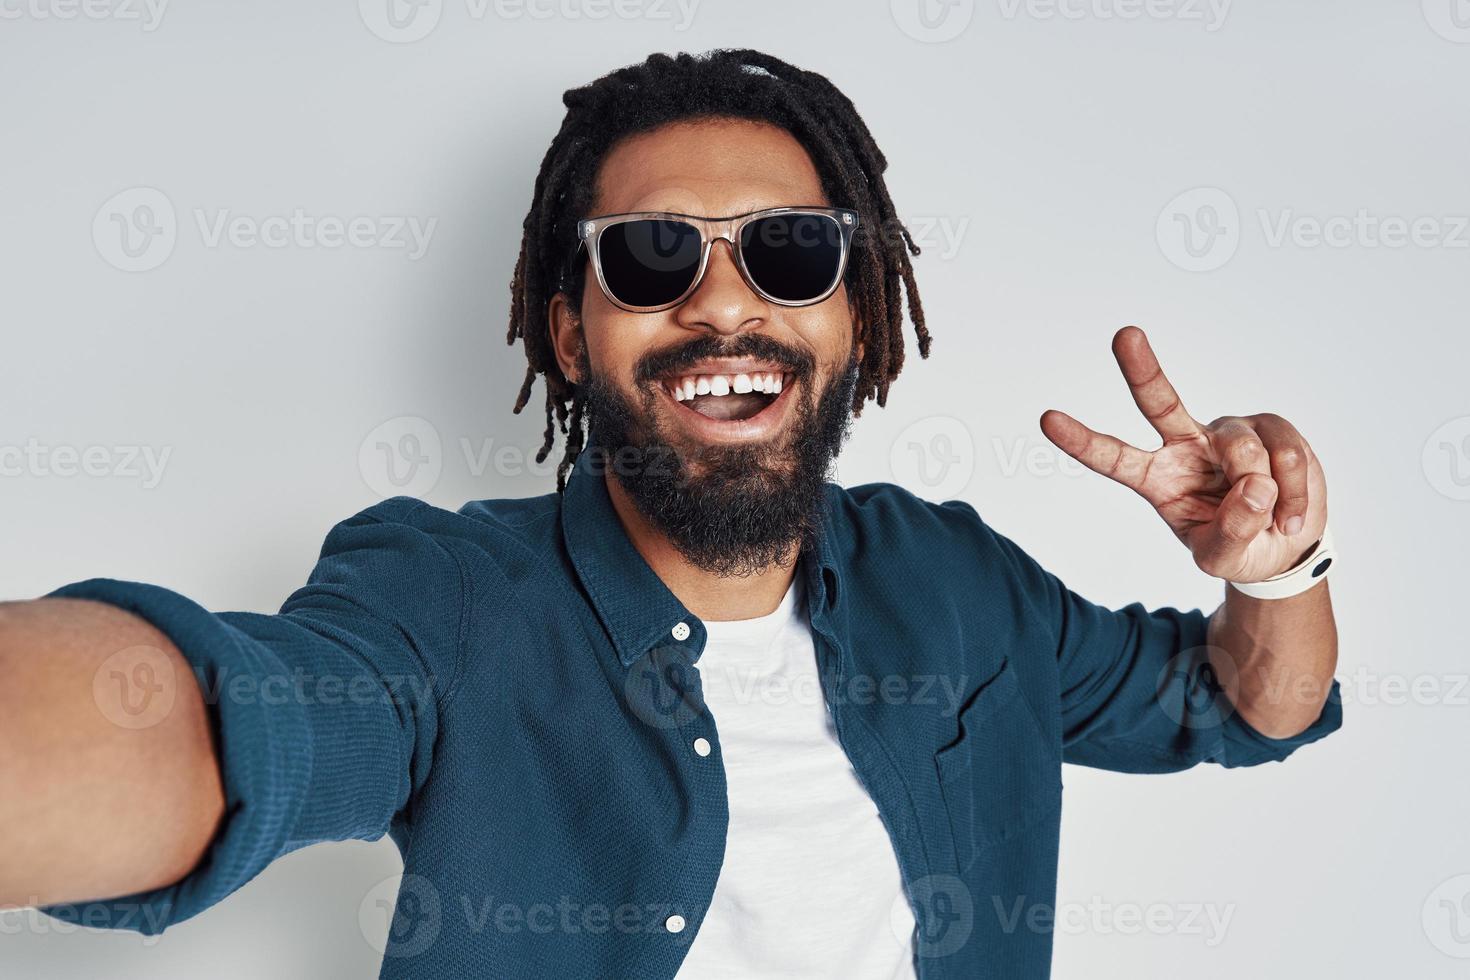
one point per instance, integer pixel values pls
(1138, 692)
(324, 715)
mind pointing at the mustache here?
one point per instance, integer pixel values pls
(670, 360)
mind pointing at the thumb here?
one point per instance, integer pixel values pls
(1244, 513)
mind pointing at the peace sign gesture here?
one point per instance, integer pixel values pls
(1246, 494)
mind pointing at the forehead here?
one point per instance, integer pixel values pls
(713, 168)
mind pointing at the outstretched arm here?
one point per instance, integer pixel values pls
(118, 697)
(106, 788)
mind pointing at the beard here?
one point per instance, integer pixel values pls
(732, 510)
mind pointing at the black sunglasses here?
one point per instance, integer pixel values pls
(647, 261)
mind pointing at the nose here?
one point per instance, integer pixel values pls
(723, 303)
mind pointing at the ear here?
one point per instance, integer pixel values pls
(566, 335)
(859, 332)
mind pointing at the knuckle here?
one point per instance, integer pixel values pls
(1245, 451)
(1288, 457)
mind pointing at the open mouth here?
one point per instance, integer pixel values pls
(728, 397)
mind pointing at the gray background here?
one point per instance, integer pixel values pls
(1050, 144)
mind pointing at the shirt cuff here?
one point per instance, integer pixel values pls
(1244, 746)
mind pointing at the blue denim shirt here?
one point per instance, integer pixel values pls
(513, 695)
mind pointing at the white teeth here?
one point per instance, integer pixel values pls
(689, 386)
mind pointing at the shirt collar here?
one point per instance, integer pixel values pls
(637, 609)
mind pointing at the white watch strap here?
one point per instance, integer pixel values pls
(1296, 580)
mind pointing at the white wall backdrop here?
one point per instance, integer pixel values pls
(215, 306)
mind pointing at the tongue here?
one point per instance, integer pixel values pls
(731, 406)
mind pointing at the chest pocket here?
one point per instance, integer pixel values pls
(1000, 777)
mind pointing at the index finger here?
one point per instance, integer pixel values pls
(1152, 392)
(1106, 455)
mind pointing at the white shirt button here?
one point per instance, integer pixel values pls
(701, 746)
(681, 633)
(674, 923)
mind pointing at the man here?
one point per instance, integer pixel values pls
(560, 706)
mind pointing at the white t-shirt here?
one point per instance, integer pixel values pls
(810, 886)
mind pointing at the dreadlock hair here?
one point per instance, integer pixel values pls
(739, 84)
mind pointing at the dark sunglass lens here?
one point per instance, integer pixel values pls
(649, 262)
(793, 257)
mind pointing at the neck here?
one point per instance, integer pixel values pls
(705, 594)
